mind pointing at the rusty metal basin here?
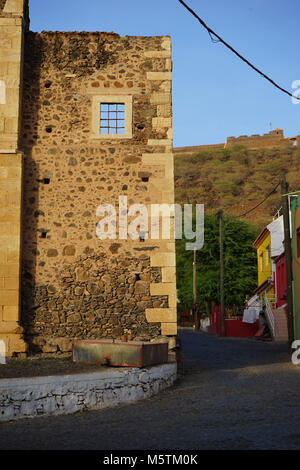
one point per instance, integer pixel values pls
(121, 354)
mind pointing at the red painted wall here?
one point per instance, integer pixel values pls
(280, 285)
(233, 327)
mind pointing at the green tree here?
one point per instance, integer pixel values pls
(239, 259)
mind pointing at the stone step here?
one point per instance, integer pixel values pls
(280, 324)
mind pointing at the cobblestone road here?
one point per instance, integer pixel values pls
(231, 394)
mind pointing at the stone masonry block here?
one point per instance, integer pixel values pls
(169, 329)
(160, 142)
(13, 256)
(159, 76)
(3, 69)
(11, 160)
(168, 197)
(166, 86)
(3, 254)
(12, 56)
(11, 125)
(14, 173)
(2, 124)
(166, 315)
(9, 214)
(7, 22)
(11, 313)
(168, 274)
(13, 199)
(14, 228)
(166, 44)
(12, 244)
(16, 344)
(157, 54)
(13, 69)
(9, 298)
(5, 43)
(172, 301)
(169, 64)
(163, 288)
(157, 158)
(160, 98)
(3, 173)
(12, 97)
(170, 133)
(163, 259)
(162, 183)
(164, 110)
(14, 6)
(9, 270)
(8, 110)
(161, 123)
(10, 327)
(11, 283)
(169, 171)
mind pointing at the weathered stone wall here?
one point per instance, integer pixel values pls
(60, 395)
(96, 297)
(73, 284)
(272, 139)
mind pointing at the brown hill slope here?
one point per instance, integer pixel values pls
(236, 179)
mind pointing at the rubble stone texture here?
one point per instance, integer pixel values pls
(61, 395)
(75, 285)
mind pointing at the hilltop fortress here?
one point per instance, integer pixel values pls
(272, 139)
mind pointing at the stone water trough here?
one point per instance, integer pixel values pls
(120, 353)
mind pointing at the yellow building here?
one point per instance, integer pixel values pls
(264, 266)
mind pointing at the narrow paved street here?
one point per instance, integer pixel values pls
(231, 394)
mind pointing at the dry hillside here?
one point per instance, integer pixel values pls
(236, 179)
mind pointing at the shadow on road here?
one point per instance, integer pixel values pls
(204, 351)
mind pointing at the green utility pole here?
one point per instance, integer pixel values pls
(223, 331)
(288, 256)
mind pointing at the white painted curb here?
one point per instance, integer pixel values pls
(58, 395)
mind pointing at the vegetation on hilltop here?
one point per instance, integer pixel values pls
(236, 179)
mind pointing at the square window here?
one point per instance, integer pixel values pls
(112, 116)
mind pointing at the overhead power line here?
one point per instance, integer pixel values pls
(260, 203)
(219, 39)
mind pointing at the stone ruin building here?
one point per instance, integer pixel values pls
(273, 139)
(84, 118)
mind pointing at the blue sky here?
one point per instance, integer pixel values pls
(215, 95)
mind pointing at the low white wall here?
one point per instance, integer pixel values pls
(57, 395)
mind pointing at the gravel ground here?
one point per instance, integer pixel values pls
(232, 394)
(37, 366)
